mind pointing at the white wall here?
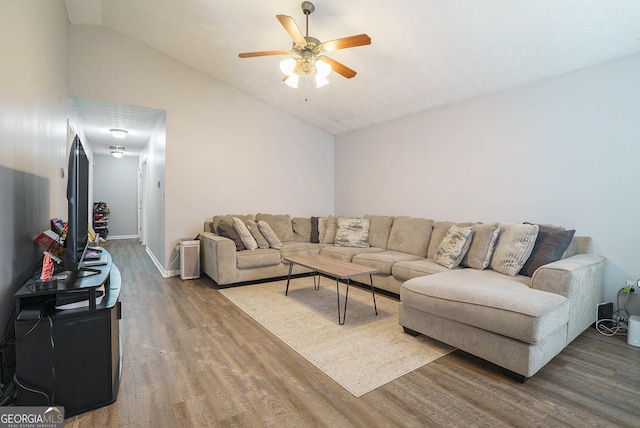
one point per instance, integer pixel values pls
(115, 182)
(563, 151)
(225, 151)
(34, 108)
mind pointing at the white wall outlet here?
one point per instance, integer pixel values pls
(632, 286)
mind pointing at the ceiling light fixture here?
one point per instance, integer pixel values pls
(307, 68)
(118, 133)
(117, 151)
(309, 63)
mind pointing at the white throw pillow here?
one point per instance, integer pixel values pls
(246, 237)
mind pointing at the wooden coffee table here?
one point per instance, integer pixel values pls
(337, 269)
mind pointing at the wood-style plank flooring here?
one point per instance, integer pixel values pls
(193, 359)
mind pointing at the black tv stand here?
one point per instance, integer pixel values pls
(72, 357)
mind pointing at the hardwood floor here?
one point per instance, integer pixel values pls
(192, 358)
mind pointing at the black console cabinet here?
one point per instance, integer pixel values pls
(69, 357)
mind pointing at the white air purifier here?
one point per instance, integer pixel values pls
(189, 258)
(633, 331)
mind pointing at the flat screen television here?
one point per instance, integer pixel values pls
(78, 209)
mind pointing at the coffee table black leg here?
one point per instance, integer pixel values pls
(288, 279)
(373, 294)
(316, 274)
(346, 298)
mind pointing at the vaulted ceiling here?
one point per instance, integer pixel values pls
(424, 53)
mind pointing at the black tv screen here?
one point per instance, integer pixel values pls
(78, 205)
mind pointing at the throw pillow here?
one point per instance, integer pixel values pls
(226, 230)
(482, 245)
(269, 235)
(315, 231)
(550, 246)
(514, 247)
(246, 237)
(353, 232)
(453, 246)
(257, 235)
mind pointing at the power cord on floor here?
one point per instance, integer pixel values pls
(617, 325)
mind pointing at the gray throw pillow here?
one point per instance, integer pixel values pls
(226, 230)
(483, 243)
(550, 246)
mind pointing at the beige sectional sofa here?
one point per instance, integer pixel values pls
(515, 321)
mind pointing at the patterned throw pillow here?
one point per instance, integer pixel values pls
(269, 235)
(353, 232)
(247, 239)
(453, 246)
(514, 247)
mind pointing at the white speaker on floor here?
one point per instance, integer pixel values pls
(633, 331)
(189, 258)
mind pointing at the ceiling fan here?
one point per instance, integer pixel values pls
(310, 51)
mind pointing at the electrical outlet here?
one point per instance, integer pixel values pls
(631, 287)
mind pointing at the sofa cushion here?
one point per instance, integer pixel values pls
(379, 230)
(410, 235)
(269, 235)
(514, 247)
(327, 228)
(247, 238)
(384, 260)
(280, 223)
(293, 248)
(482, 246)
(226, 230)
(551, 243)
(490, 301)
(353, 232)
(453, 246)
(405, 270)
(346, 253)
(257, 235)
(257, 258)
(440, 229)
(301, 227)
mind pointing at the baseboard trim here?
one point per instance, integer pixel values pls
(157, 264)
(122, 237)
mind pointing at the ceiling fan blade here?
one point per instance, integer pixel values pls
(346, 42)
(290, 25)
(263, 53)
(339, 68)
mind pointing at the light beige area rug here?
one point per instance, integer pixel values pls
(365, 353)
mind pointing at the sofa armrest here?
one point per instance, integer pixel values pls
(580, 278)
(218, 258)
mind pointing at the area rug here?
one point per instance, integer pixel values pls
(365, 353)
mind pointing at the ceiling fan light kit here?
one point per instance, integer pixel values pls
(311, 64)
